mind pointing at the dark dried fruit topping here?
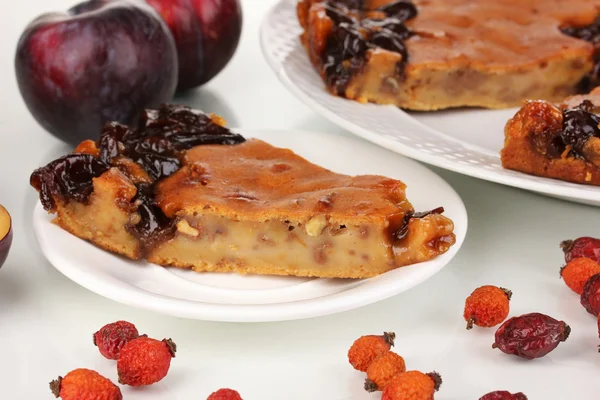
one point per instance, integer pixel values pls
(156, 144)
(579, 124)
(69, 177)
(589, 33)
(347, 46)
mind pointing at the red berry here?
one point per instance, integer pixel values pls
(531, 335)
(590, 298)
(588, 247)
(503, 395)
(365, 349)
(145, 361)
(577, 272)
(225, 394)
(85, 384)
(111, 338)
(487, 306)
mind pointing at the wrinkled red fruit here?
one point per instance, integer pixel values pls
(206, 32)
(590, 298)
(111, 338)
(225, 394)
(588, 247)
(531, 335)
(102, 60)
(503, 395)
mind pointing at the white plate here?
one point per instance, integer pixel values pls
(231, 297)
(466, 141)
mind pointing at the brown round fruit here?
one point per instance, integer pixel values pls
(6, 234)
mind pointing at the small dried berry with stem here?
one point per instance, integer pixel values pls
(503, 395)
(531, 335)
(382, 370)
(85, 384)
(225, 394)
(577, 272)
(585, 246)
(144, 361)
(487, 306)
(365, 349)
(412, 385)
(590, 297)
(111, 338)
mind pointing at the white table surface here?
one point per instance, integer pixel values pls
(46, 321)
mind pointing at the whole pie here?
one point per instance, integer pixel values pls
(560, 141)
(437, 54)
(182, 190)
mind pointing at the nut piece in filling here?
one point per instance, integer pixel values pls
(181, 190)
(437, 54)
(556, 141)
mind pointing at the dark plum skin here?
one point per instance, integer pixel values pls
(207, 33)
(103, 60)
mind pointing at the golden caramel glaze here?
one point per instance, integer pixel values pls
(527, 135)
(257, 181)
(486, 53)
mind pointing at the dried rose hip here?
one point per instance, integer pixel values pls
(577, 272)
(531, 335)
(581, 247)
(503, 395)
(590, 298)
(487, 306)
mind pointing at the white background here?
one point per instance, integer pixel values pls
(46, 321)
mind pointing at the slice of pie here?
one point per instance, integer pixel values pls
(437, 54)
(182, 190)
(556, 141)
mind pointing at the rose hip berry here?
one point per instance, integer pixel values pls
(590, 297)
(225, 394)
(503, 395)
(111, 338)
(85, 384)
(412, 385)
(365, 349)
(487, 306)
(382, 370)
(144, 361)
(586, 246)
(577, 272)
(531, 335)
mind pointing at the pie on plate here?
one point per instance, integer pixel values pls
(437, 54)
(182, 190)
(560, 141)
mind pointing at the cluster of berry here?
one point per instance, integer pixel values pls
(140, 361)
(582, 272)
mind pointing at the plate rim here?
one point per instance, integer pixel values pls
(361, 295)
(546, 186)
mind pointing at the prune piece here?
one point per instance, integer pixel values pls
(69, 177)
(112, 134)
(549, 143)
(344, 56)
(578, 126)
(393, 25)
(336, 15)
(401, 9)
(158, 166)
(153, 225)
(389, 41)
(589, 33)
